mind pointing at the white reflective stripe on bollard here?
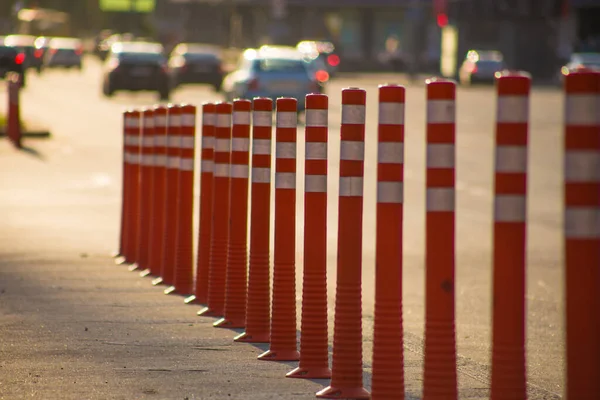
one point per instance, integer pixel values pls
(351, 186)
(440, 199)
(221, 170)
(160, 160)
(188, 142)
(285, 180)
(440, 155)
(513, 109)
(261, 146)
(510, 208)
(240, 144)
(187, 164)
(208, 142)
(582, 166)
(352, 150)
(261, 175)
(262, 118)
(222, 145)
(353, 114)
(511, 159)
(207, 166)
(174, 141)
(441, 112)
(390, 192)
(239, 171)
(390, 153)
(315, 183)
(582, 109)
(223, 120)
(241, 118)
(285, 150)
(315, 150)
(188, 120)
(160, 121)
(582, 223)
(148, 141)
(287, 119)
(209, 119)
(316, 118)
(173, 162)
(391, 113)
(160, 141)
(174, 120)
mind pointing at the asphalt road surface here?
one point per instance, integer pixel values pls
(64, 198)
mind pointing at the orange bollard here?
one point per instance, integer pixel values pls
(158, 192)
(237, 260)
(283, 318)
(131, 120)
(13, 122)
(439, 381)
(220, 233)
(347, 368)
(582, 234)
(258, 312)
(509, 379)
(183, 276)
(388, 357)
(169, 243)
(146, 190)
(120, 257)
(206, 200)
(314, 361)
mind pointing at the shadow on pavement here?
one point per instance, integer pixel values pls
(33, 152)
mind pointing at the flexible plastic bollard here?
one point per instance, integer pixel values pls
(220, 233)
(131, 121)
(237, 253)
(283, 316)
(388, 351)
(258, 310)
(314, 362)
(347, 368)
(146, 190)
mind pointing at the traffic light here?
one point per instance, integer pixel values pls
(442, 20)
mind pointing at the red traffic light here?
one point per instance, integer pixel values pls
(442, 20)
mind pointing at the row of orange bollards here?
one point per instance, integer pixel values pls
(232, 275)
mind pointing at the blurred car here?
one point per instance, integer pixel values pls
(11, 60)
(136, 66)
(480, 66)
(64, 52)
(324, 51)
(196, 63)
(41, 46)
(272, 72)
(25, 44)
(579, 61)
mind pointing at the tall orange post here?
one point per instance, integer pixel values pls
(120, 254)
(237, 255)
(131, 120)
(220, 228)
(283, 317)
(582, 234)
(314, 361)
(200, 295)
(158, 192)
(168, 257)
(146, 190)
(388, 357)
(439, 381)
(258, 310)
(509, 379)
(13, 122)
(347, 368)
(183, 277)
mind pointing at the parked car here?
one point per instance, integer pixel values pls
(481, 66)
(272, 72)
(580, 61)
(64, 52)
(104, 46)
(41, 46)
(136, 66)
(196, 63)
(11, 60)
(322, 50)
(25, 44)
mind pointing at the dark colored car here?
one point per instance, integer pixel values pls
(11, 60)
(25, 44)
(136, 66)
(195, 63)
(480, 66)
(64, 52)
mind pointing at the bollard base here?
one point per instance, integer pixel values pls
(207, 312)
(145, 273)
(310, 373)
(133, 267)
(226, 323)
(169, 290)
(190, 300)
(250, 338)
(116, 254)
(157, 281)
(274, 355)
(354, 393)
(120, 260)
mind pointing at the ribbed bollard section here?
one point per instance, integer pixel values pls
(131, 201)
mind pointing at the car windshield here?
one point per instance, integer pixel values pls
(141, 57)
(280, 65)
(587, 58)
(201, 57)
